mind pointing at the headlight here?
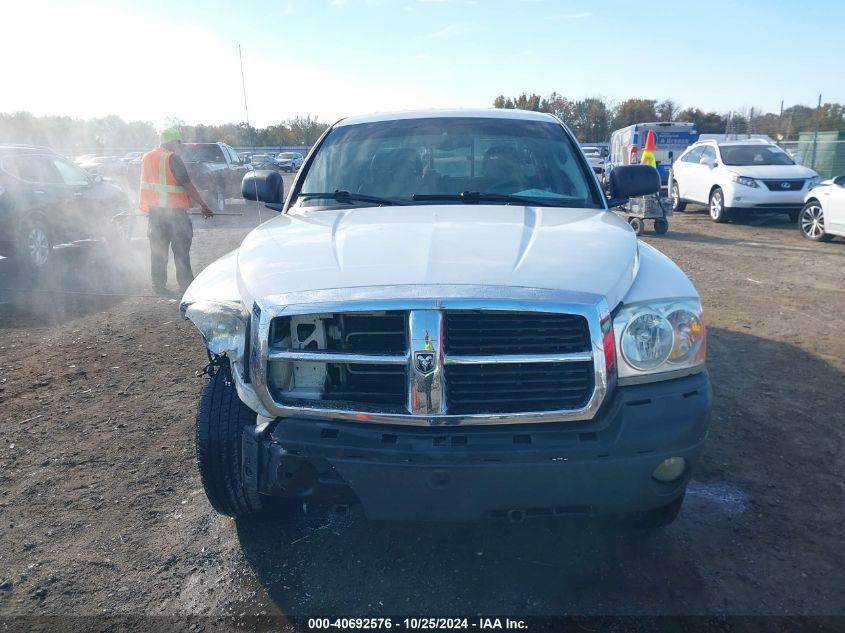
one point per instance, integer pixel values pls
(659, 337)
(815, 180)
(222, 325)
(745, 181)
(647, 341)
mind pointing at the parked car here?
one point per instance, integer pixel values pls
(264, 161)
(130, 156)
(289, 161)
(106, 166)
(46, 200)
(823, 214)
(732, 177)
(83, 158)
(447, 323)
(597, 159)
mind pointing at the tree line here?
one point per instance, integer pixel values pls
(112, 132)
(593, 119)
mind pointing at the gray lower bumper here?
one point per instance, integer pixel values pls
(600, 466)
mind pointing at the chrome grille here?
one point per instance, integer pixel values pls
(784, 185)
(437, 362)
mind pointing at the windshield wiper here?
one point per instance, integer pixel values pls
(474, 197)
(347, 197)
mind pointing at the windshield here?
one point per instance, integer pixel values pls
(400, 159)
(754, 155)
(199, 153)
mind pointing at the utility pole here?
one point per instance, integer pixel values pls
(816, 133)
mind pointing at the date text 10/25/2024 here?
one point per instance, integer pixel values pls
(416, 623)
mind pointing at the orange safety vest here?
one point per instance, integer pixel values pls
(158, 185)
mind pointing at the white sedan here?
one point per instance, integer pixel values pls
(823, 214)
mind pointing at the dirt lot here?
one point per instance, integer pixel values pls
(102, 512)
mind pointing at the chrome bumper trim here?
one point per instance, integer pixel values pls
(518, 358)
(308, 356)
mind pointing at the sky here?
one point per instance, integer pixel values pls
(161, 59)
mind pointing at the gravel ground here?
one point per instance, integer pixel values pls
(102, 511)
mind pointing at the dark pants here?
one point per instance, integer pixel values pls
(170, 229)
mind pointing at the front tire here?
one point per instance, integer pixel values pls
(661, 226)
(221, 420)
(35, 246)
(678, 205)
(811, 222)
(718, 212)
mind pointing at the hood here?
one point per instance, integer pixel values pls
(581, 250)
(769, 172)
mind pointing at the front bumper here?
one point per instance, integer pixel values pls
(763, 199)
(598, 466)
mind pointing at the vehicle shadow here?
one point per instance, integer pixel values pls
(81, 279)
(722, 555)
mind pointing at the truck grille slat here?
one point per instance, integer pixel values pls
(508, 387)
(507, 333)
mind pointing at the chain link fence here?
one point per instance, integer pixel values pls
(826, 154)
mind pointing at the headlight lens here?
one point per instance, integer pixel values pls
(657, 337)
(745, 181)
(647, 341)
(222, 325)
(688, 334)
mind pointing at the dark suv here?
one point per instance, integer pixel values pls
(46, 200)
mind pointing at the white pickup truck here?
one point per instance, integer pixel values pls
(446, 322)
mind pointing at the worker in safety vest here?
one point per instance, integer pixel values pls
(648, 151)
(166, 195)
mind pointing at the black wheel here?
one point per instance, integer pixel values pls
(811, 222)
(678, 205)
(221, 420)
(636, 224)
(35, 245)
(718, 212)
(661, 226)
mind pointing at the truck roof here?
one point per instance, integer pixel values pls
(481, 113)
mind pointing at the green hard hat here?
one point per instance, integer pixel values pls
(170, 134)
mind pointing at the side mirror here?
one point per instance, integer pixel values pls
(839, 181)
(263, 185)
(630, 181)
(671, 154)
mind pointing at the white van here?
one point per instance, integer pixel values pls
(626, 145)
